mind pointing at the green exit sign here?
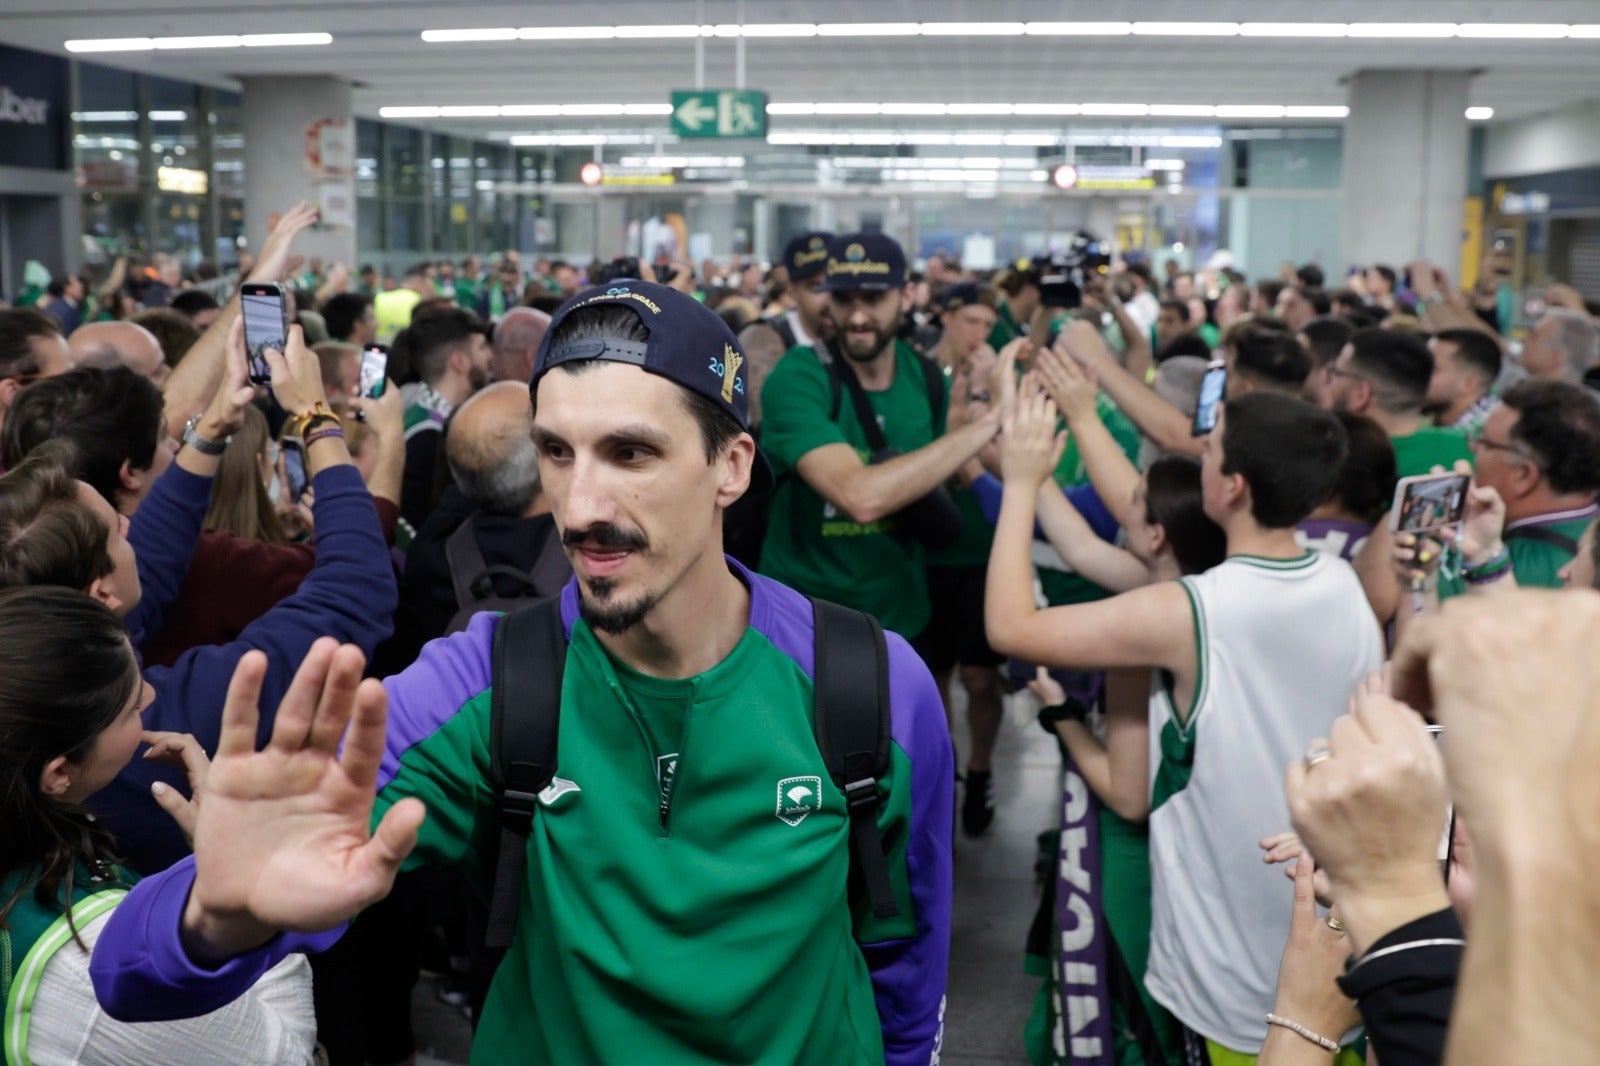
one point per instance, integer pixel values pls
(719, 113)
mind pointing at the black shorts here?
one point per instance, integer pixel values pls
(955, 629)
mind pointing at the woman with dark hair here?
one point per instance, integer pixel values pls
(1362, 495)
(70, 701)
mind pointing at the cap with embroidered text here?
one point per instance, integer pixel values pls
(865, 262)
(807, 255)
(966, 294)
(689, 343)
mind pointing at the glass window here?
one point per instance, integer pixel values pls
(183, 182)
(105, 149)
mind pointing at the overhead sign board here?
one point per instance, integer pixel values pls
(33, 109)
(719, 113)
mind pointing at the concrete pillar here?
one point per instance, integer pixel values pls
(1405, 166)
(299, 136)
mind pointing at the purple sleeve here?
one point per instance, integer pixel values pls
(141, 972)
(908, 976)
(162, 533)
(988, 489)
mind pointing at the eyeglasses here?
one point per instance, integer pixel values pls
(1478, 441)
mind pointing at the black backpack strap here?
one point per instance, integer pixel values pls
(466, 563)
(842, 372)
(851, 684)
(530, 654)
(933, 379)
(1543, 535)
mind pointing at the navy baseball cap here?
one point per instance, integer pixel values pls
(865, 262)
(967, 294)
(689, 343)
(807, 255)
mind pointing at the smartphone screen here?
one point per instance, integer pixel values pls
(374, 367)
(1428, 502)
(263, 328)
(294, 468)
(1212, 387)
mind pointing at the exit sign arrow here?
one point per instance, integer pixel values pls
(694, 113)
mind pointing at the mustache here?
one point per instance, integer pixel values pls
(605, 535)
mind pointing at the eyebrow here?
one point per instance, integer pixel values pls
(635, 433)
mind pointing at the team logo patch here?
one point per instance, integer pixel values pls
(855, 253)
(558, 787)
(617, 291)
(798, 797)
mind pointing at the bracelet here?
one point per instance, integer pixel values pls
(1493, 568)
(1296, 1027)
(332, 431)
(319, 412)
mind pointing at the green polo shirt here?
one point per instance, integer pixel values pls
(1430, 446)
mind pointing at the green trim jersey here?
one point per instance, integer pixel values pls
(1282, 644)
(810, 544)
(1538, 563)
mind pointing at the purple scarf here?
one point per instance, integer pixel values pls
(1082, 1034)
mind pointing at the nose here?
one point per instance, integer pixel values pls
(583, 497)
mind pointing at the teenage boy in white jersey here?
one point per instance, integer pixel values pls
(1254, 659)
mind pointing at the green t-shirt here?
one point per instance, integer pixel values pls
(1005, 327)
(1061, 587)
(810, 546)
(1536, 562)
(1428, 447)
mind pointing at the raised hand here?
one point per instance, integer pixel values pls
(276, 262)
(184, 752)
(296, 374)
(1030, 447)
(1072, 389)
(225, 414)
(284, 839)
(1313, 957)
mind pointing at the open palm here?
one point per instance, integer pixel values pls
(284, 839)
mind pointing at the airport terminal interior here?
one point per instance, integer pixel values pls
(1159, 173)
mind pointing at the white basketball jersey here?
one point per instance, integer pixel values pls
(1282, 645)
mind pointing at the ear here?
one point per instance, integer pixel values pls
(130, 477)
(1236, 491)
(460, 361)
(100, 590)
(56, 778)
(8, 392)
(1158, 538)
(734, 470)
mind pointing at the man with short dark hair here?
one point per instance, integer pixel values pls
(1018, 286)
(65, 302)
(567, 278)
(172, 330)
(1298, 305)
(1251, 661)
(1324, 337)
(1264, 297)
(805, 258)
(693, 830)
(1540, 450)
(1172, 320)
(1466, 365)
(1310, 275)
(350, 318)
(198, 306)
(31, 348)
(1384, 374)
(450, 353)
(1267, 360)
(1382, 284)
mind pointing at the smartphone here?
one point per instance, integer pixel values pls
(295, 470)
(1212, 386)
(1447, 843)
(1428, 502)
(265, 305)
(374, 370)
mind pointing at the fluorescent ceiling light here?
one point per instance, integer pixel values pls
(1029, 140)
(915, 109)
(408, 112)
(284, 40)
(1119, 110)
(1480, 114)
(1046, 109)
(1316, 111)
(776, 29)
(168, 116)
(1544, 31)
(105, 116)
(1402, 29)
(502, 33)
(1583, 33)
(1165, 164)
(469, 112)
(1186, 29)
(972, 29)
(868, 29)
(791, 109)
(657, 32)
(591, 110)
(1293, 29)
(848, 109)
(1251, 111)
(528, 111)
(179, 43)
(982, 109)
(647, 109)
(1077, 29)
(1182, 110)
(567, 33)
(112, 44)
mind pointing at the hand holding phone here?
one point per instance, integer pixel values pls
(1212, 387)
(1428, 502)
(265, 310)
(296, 470)
(374, 370)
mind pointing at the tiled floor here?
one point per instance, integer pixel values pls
(990, 996)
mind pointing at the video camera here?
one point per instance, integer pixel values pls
(1063, 276)
(627, 266)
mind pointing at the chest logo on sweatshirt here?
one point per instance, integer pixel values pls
(798, 797)
(558, 787)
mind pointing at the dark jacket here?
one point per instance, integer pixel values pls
(1404, 987)
(350, 594)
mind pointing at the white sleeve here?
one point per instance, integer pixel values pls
(271, 1025)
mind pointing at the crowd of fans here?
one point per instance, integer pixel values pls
(1002, 467)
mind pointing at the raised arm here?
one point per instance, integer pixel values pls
(1119, 770)
(1114, 478)
(1112, 568)
(1157, 419)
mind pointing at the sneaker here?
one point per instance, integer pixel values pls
(977, 809)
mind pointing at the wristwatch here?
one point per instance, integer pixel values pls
(1073, 710)
(199, 443)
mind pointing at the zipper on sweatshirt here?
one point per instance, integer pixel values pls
(667, 794)
(652, 760)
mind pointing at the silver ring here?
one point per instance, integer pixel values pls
(1320, 753)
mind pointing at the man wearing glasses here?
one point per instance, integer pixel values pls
(1540, 450)
(1384, 375)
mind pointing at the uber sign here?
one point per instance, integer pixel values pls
(33, 93)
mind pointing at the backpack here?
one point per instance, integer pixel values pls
(472, 577)
(851, 686)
